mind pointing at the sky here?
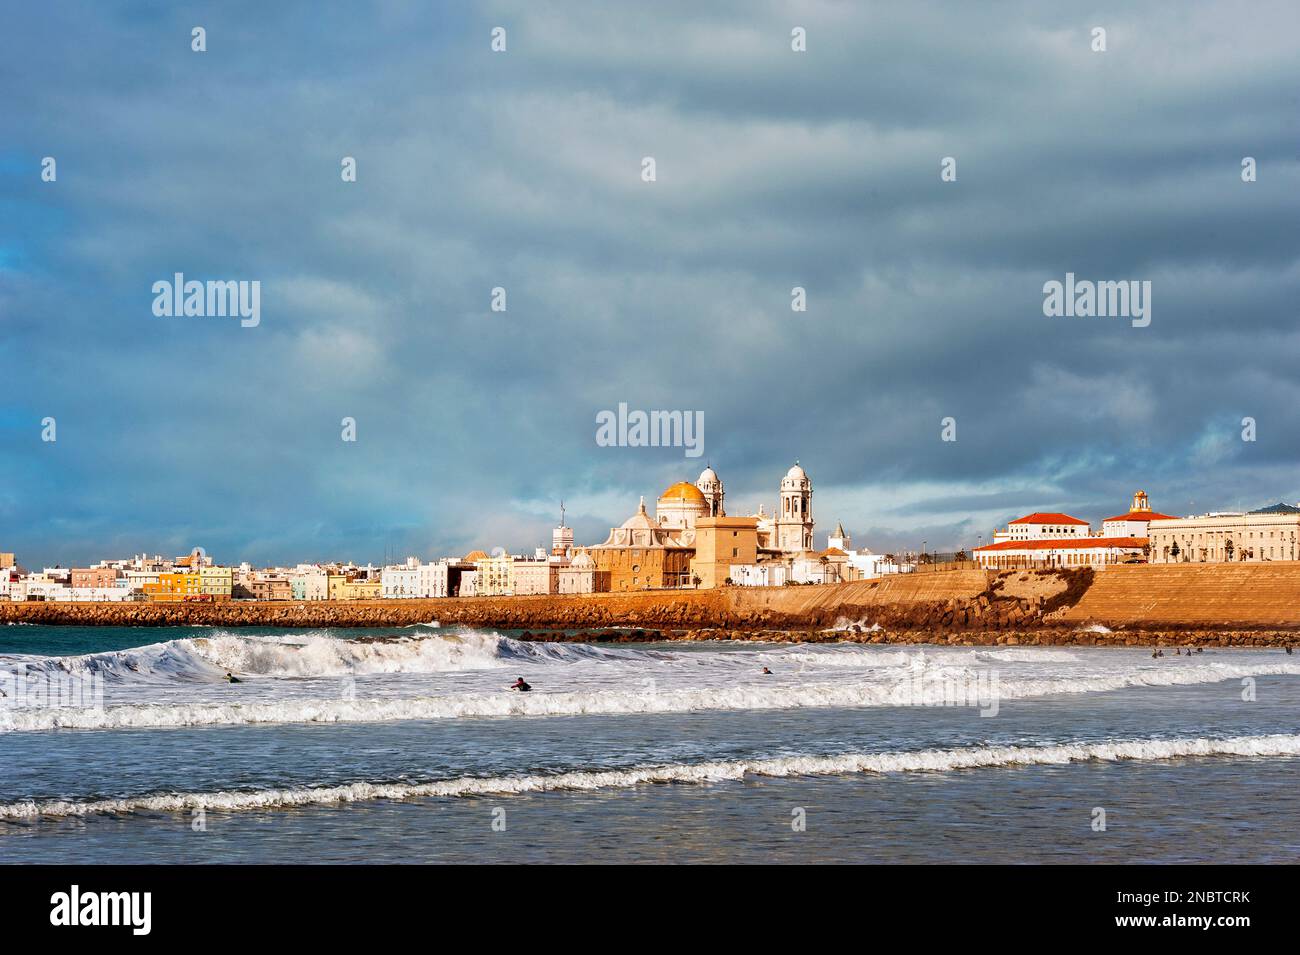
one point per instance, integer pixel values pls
(523, 170)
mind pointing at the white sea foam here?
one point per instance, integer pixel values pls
(930, 760)
(844, 624)
(1026, 655)
(207, 659)
(634, 696)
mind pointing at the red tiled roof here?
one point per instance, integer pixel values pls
(1066, 543)
(1047, 517)
(1141, 516)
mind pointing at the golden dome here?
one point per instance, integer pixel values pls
(476, 555)
(683, 491)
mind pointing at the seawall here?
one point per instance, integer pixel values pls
(1193, 596)
(906, 600)
(1248, 604)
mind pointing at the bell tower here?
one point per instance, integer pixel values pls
(711, 487)
(794, 520)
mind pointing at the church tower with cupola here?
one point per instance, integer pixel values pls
(711, 487)
(794, 520)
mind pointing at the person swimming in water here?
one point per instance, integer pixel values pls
(520, 685)
(767, 671)
(231, 678)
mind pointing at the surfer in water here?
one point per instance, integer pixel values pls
(767, 671)
(231, 678)
(520, 685)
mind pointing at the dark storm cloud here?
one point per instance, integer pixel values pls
(521, 170)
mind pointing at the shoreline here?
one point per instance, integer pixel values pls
(1046, 637)
(1139, 605)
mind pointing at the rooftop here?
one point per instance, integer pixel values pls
(1065, 543)
(1047, 517)
(1142, 516)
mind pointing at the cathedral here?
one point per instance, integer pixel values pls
(654, 552)
(788, 531)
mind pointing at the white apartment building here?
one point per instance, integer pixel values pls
(760, 575)
(307, 582)
(414, 580)
(1042, 525)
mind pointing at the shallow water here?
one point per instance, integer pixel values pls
(410, 750)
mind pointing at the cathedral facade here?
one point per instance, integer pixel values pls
(653, 552)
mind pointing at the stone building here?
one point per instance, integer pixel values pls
(1267, 534)
(644, 555)
(581, 576)
(720, 544)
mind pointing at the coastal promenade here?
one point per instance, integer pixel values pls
(1259, 603)
(890, 600)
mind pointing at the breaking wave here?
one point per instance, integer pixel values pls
(914, 686)
(930, 760)
(317, 654)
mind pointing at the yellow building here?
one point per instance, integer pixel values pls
(721, 542)
(172, 588)
(6, 561)
(362, 590)
(496, 576)
(218, 582)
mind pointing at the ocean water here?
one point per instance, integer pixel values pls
(404, 745)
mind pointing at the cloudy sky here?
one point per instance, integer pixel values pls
(522, 170)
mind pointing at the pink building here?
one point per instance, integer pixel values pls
(97, 577)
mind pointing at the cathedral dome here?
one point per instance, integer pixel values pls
(682, 491)
(640, 520)
(708, 476)
(797, 473)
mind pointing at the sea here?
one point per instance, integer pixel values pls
(406, 745)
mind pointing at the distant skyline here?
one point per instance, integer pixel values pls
(522, 170)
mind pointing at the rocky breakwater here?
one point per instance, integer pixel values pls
(937, 601)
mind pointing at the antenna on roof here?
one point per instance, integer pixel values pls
(561, 513)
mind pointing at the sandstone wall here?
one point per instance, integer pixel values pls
(906, 600)
(1156, 598)
(1204, 596)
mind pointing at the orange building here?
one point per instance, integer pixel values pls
(641, 555)
(173, 588)
(721, 542)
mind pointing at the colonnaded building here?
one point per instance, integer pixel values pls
(1269, 533)
(691, 540)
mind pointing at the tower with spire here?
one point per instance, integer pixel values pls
(794, 519)
(711, 487)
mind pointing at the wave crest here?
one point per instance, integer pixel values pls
(933, 760)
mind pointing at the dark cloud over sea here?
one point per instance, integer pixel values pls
(522, 170)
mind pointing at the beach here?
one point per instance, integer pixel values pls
(403, 744)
